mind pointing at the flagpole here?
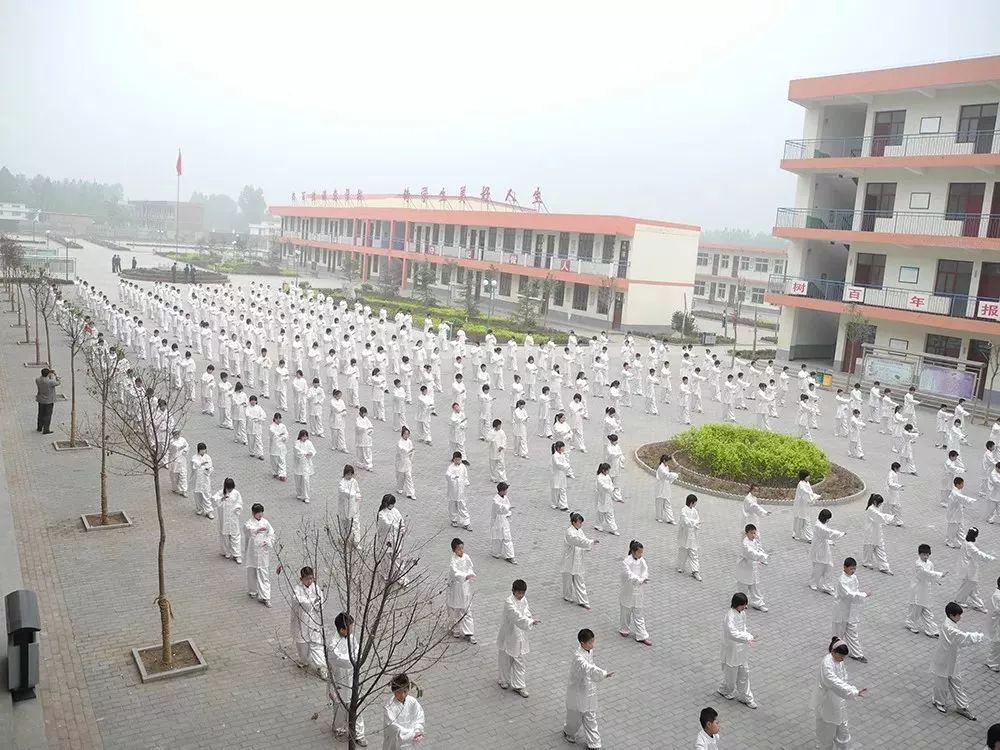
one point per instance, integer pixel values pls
(177, 213)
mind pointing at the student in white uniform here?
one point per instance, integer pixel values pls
(603, 493)
(315, 401)
(687, 538)
(516, 621)
(258, 541)
(753, 511)
(363, 430)
(402, 717)
(920, 593)
(634, 576)
(201, 472)
(302, 465)
(177, 460)
(457, 479)
(581, 694)
(873, 536)
(501, 541)
(496, 440)
(708, 736)
(229, 504)
(520, 428)
(307, 634)
(561, 470)
(972, 558)
(804, 497)
(854, 428)
(832, 694)
(338, 422)
(573, 568)
(820, 553)
(895, 487)
(348, 506)
(278, 448)
(948, 682)
(404, 465)
(957, 502)
(342, 650)
(457, 424)
(993, 660)
(736, 640)
(847, 609)
(239, 412)
(459, 596)
(665, 479)
(208, 390)
(751, 557)
(255, 428)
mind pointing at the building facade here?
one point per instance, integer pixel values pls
(896, 214)
(161, 217)
(612, 271)
(725, 272)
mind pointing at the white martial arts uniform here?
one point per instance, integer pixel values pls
(581, 699)
(401, 723)
(302, 467)
(457, 479)
(832, 693)
(736, 657)
(664, 483)
(687, 541)
(305, 627)
(459, 596)
(751, 555)
(821, 555)
(920, 597)
(512, 642)
(634, 574)
(501, 541)
(201, 470)
(573, 567)
(847, 613)
(258, 541)
(228, 507)
(948, 682)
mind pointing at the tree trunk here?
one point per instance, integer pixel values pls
(104, 462)
(72, 399)
(23, 306)
(38, 353)
(48, 345)
(166, 653)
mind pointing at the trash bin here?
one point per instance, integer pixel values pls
(818, 377)
(23, 622)
(827, 379)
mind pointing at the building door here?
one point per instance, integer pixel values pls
(993, 225)
(888, 130)
(550, 248)
(854, 349)
(735, 272)
(965, 204)
(989, 281)
(623, 252)
(976, 123)
(539, 248)
(880, 200)
(953, 279)
(616, 320)
(979, 351)
(715, 264)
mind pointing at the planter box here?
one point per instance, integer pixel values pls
(63, 445)
(184, 650)
(118, 520)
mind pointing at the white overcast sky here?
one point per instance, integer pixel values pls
(659, 109)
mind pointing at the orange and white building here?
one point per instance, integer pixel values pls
(610, 271)
(897, 211)
(725, 271)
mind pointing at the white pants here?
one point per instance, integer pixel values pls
(801, 529)
(896, 509)
(229, 545)
(282, 394)
(464, 624)
(968, 595)
(520, 446)
(854, 449)
(278, 468)
(575, 589)
(404, 484)
(179, 480)
(763, 422)
(993, 660)
(311, 655)
(511, 670)
(953, 687)
(202, 503)
(459, 512)
(606, 521)
(498, 469)
(424, 431)
(848, 633)
(256, 444)
(664, 510)
(301, 486)
(240, 428)
(832, 736)
(585, 722)
(954, 535)
(736, 683)
(259, 583)
(687, 557)
(315, 425)
(339, 441)
(872, 555)
(207, 405)
(752, 590)
(632, 619)
(365, 457)
(341, 715)
(820, 576)
(559, 498)
(921, 616)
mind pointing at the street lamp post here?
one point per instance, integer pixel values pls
(490, 284)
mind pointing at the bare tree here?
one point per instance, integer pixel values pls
(108, 376)
(139, 432)
(43, 299)
(77, 327)
(11, 258)
(400, 621)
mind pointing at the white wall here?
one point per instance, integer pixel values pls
(945, 103)
(659, 254)
(934, 181)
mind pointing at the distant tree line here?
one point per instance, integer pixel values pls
(742, 237)
(98, 199)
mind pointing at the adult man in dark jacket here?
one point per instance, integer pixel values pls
(46, 398)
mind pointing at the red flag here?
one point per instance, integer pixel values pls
(179, 170)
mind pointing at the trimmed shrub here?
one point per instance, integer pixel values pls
(744, 454)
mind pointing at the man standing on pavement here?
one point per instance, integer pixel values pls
(46, 398)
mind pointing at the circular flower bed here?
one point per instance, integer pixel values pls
(725, 459)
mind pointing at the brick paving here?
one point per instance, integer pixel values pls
(97, 594)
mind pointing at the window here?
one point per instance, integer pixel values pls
(558, 293)
(374, 264)
(564, 244)
(909, 274)
(929, 125)
(459, 275)
(869, 270)
(943, 346)
(888, 130)
(899, 345)
(449, 234)
(508, 240)
(976, 123)
(724, 261)
(505, 278)
(603, 299)
(702, 259)
(760, 265)
(493, 238)
(581, 293)
(608, 252)
(757, 295)
(779, 266)
(585, 247)
(880, 201)
(745, 263)
(526, 241)
(446, 275)
(463, 236)
(699, 289)
(920, 201)
(720, 291)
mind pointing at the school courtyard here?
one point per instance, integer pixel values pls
(96, 593)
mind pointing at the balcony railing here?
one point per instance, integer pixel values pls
(933, 303)
(900, 222)
(915, 144)
(570, 264)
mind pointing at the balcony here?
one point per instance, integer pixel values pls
(960, 306)
(827, 223)
(888, 146)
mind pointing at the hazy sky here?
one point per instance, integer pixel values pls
(659, 109)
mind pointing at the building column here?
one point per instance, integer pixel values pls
(392, 229)
(403, 278)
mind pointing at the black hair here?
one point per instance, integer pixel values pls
(518, 585)
(803, 474)
(341, 621)
(895, 466)
(951, 609)
(850, 562)
(574, 517)
(455, 542)
(874, 499)
(825, 515)
(739, 600)
(388, 500)
(586, 634)
(690, 500)
(842, 649)
(306, 571)
(707, 716)
(749, 527)
(348, 470)
(399, 682)
(256, 508)
(972, 534)
(924, 549)
(229, 484)
(633, 546)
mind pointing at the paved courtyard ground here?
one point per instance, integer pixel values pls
(97, 595)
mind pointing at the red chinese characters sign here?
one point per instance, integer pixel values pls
(854, 294)
(917, 301)
(988, 309)
(798, 287)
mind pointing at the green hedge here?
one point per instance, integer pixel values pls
(744, 454)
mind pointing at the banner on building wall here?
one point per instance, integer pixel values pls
(895, 371)
(854, 294)
(948, 381)
(917, 301)
(564, 265)
(988, 309)
(798, 287)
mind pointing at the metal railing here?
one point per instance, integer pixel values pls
(915, 300)
(913, 144)
(901, 222)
